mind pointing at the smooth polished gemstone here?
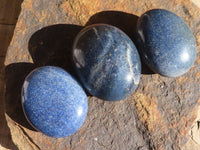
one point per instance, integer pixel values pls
(53, 101)
(167, 44)
(107, 62)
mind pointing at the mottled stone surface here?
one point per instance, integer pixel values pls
(107, 62)
(54, 102)
(159, 115)
(167, 44)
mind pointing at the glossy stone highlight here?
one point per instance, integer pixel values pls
(167, 45)
(107, 62)
(53, 101)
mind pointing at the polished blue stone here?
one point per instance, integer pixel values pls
(53, 101)
(107, 62)
(167, 45)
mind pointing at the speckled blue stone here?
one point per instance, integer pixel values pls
(107, 62)
(53, 101)
(167, 45)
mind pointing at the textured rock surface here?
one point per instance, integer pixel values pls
(7, 26)
(159, 115)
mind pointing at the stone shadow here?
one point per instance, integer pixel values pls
(52, 45)
(15, 75)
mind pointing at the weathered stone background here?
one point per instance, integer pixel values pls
(160, 115)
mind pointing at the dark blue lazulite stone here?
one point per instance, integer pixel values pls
(53, 101)
(107, 62)
(167, 45)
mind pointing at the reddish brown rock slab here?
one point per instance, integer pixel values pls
(159, 115)
(9, 11)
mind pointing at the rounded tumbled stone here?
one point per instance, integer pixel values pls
(107, 62)
(167, 44)
(54, 102)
